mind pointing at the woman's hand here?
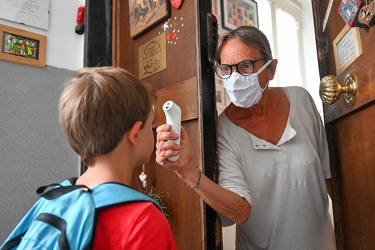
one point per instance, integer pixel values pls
(225, 202)
(166, 149)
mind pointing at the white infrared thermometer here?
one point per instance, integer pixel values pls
(173, 117)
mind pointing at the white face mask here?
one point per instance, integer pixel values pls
(245, 91)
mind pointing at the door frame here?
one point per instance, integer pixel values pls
(98, 23)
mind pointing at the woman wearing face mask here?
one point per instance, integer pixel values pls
(273, 154)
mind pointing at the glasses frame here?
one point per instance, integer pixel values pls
(253, 62)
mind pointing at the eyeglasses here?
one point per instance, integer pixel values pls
(245, 68)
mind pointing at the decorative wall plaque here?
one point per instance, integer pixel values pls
(152, 56)
(29, 12)
(347, 47)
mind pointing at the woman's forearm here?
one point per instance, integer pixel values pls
(223, 201)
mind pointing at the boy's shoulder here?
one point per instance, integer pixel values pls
(110, 193)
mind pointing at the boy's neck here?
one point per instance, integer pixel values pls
(112, 167)
(102, 173)
(115, 166)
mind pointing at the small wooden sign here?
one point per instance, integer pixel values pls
(347, 47)
(152, 56)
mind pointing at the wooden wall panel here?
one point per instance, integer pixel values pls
(181, 57)
(185, 95)
(184, 207)
(353, 172)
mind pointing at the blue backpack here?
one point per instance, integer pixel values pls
(64, 217)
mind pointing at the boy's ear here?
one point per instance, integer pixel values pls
(132, 133)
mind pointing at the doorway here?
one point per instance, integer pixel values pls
(297, 20)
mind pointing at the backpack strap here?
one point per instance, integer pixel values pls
(62, 188)
(112, 193)
(13, 242)
(59, 224)
(104, 195)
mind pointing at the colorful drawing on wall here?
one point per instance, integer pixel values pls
(145, 14)
(22, 46)
(236, 13)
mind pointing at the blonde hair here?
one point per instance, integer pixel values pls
(99, 105)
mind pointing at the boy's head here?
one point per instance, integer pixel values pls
(99, 105)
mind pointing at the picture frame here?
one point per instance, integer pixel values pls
(22, 46)
(346, 47)
(236, 13)
(146, 14)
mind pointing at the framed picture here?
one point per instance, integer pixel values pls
(346, 47)
(236, 13)
(21, 46)
(220, 96)
(145, 14)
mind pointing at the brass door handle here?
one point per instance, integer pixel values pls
(330, 89)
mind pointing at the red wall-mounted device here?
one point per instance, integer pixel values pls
(80, 28)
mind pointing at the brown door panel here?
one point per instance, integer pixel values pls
(350, 132)
(186, 79)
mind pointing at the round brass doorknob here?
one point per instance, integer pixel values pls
(330, 89)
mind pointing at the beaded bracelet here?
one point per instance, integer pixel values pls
(198, 182)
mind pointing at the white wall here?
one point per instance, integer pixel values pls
(64, 46)
(33, 150)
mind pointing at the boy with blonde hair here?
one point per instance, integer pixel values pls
(107, 115)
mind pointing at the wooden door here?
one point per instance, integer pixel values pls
(350, 129)
(187, 80)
